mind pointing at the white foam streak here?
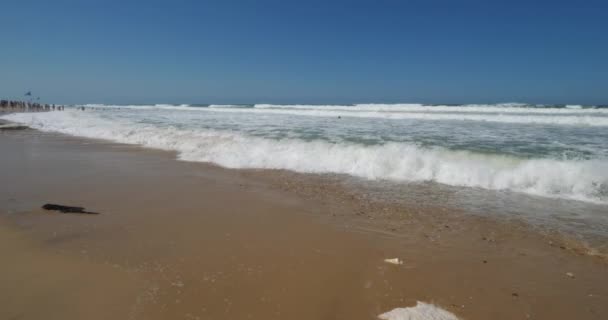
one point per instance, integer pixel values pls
(171, 105)
(214, 106)
(422, 311)
(585, 180)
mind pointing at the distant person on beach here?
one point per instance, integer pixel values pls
(19, 106)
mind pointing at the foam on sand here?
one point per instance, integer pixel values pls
(421, 311)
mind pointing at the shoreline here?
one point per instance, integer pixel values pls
(391, 218)
(449, 257)
(382, 215)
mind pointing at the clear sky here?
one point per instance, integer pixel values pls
(305, 51)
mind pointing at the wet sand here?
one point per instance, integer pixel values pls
(178, 240)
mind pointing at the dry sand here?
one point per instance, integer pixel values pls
(178, 240)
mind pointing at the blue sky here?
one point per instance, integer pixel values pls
(305, 51)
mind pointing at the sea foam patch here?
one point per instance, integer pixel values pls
(421, 311)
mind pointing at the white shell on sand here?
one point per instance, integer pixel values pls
(394, 261)
(422, 311)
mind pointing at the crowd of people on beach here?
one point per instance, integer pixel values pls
(12, 106)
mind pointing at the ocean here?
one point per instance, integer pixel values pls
(547, 163)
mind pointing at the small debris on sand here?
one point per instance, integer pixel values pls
(66, 209)
(395, 261)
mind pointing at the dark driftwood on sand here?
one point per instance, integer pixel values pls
(66, 209)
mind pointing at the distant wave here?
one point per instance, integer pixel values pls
(135, 106)
(555, 119)
(498, 113)
(521, 115)
(171, 105)
(585, 180)
(214, 106)
(518, 108)
(574, 106)
(470, 108)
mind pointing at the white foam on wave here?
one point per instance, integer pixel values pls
(164, 105)
(585, 180)
(214, 106)
(421, 311)
(94, 105)
(574, 106)
(138, 106)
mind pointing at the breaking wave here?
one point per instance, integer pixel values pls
(585, 180)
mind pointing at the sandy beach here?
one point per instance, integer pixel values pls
(304, 160)
(180, 240)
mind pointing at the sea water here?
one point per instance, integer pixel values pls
(536, 160)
